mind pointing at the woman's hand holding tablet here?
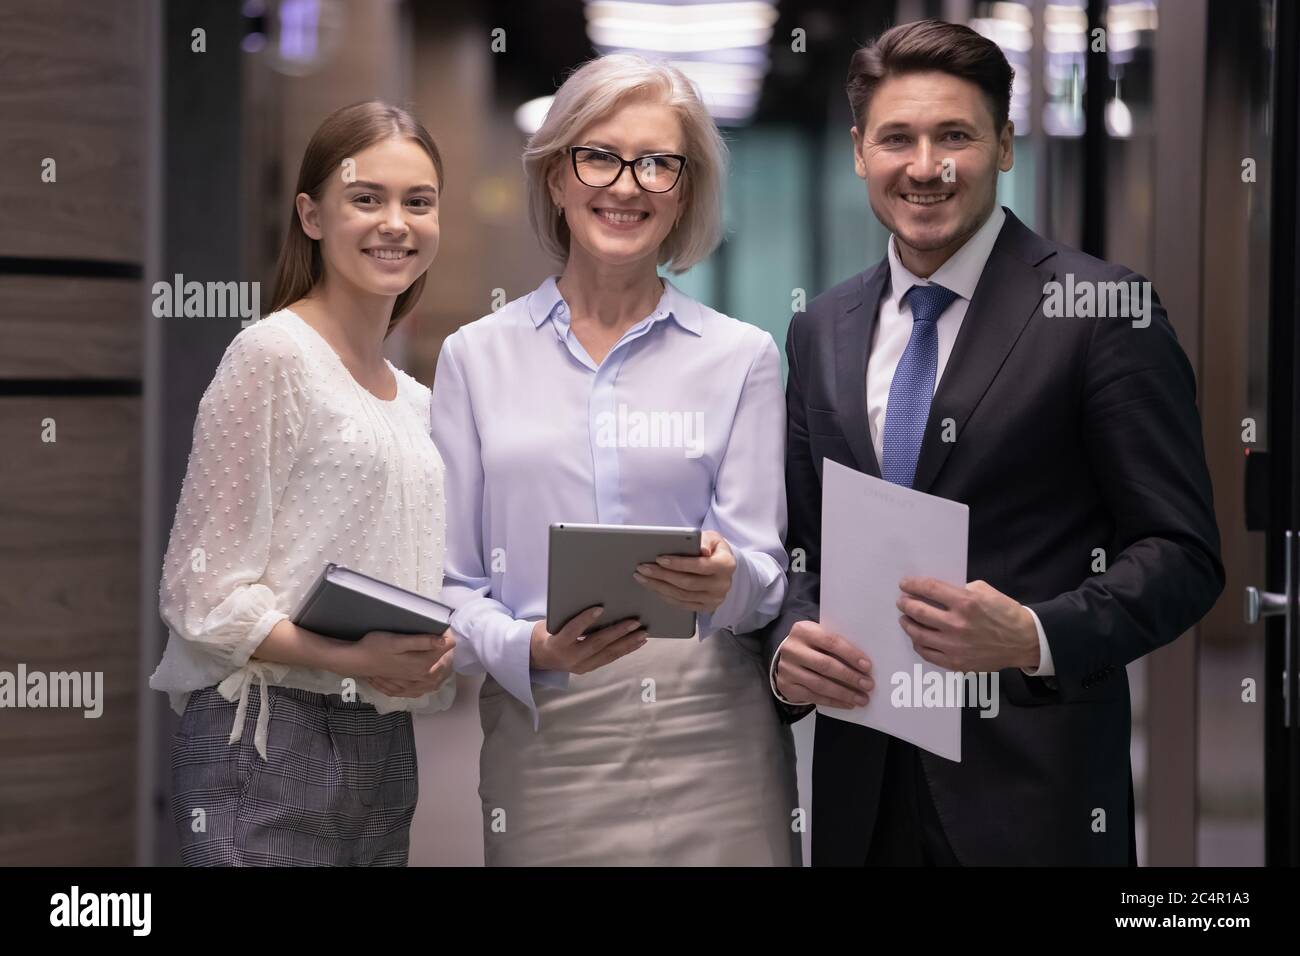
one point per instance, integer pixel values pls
(696, 584)
(571, 649)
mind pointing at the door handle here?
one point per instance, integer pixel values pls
(1265, 604)
(1262, 604)
(1290, 679)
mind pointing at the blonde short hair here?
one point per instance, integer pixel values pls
(595, 90)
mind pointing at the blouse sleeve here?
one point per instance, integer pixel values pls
(748, 507)
(494, 640)
(248, 426)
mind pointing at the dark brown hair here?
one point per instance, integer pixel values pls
(931, 45)
(342, 134)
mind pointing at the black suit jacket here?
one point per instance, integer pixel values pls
(1071, 434)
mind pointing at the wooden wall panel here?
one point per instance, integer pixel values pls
(55, 327)
(69, 580)
(71, 88)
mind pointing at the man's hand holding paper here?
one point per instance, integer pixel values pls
(973, 628)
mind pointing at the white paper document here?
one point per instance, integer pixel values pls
(875, 533)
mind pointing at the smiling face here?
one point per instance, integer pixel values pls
(915, 122)
(377, 220)
(622, 224)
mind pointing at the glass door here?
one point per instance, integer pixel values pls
(1276, 490)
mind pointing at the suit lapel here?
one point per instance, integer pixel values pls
(853, 333)
(1008, 294)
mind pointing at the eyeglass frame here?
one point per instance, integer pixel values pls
(573, 158)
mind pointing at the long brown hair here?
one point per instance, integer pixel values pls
(342, 134)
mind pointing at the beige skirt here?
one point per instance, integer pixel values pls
(672, 756)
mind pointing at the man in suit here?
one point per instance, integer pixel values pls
(976, 363)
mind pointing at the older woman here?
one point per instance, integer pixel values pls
(619, 749)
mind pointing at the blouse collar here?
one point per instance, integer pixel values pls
(545, 300)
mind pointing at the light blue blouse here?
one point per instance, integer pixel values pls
(683, 423)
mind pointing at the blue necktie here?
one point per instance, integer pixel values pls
(912, 388)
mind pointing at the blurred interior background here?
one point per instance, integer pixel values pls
(178, 160)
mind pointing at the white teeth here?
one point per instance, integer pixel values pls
(924, 199)
(389, 253)
(621, 216)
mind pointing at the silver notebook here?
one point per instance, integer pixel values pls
(347, 605)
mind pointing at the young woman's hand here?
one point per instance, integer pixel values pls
(405, 665)
(568, 650)
(404, 688)
(696, 584)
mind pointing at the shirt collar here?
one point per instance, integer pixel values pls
(544, 301)
(961, 273)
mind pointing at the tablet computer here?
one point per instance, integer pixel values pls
(592, 564)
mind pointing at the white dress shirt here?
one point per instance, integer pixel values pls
(532, 432)
(960, 274)
(294, 464)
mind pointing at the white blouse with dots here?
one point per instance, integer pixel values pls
(293, 464)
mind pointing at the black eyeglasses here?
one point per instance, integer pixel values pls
(655, 173)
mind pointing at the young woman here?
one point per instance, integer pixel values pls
(619, 749)
(310, 448)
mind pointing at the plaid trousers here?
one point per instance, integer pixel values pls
(338, 787)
